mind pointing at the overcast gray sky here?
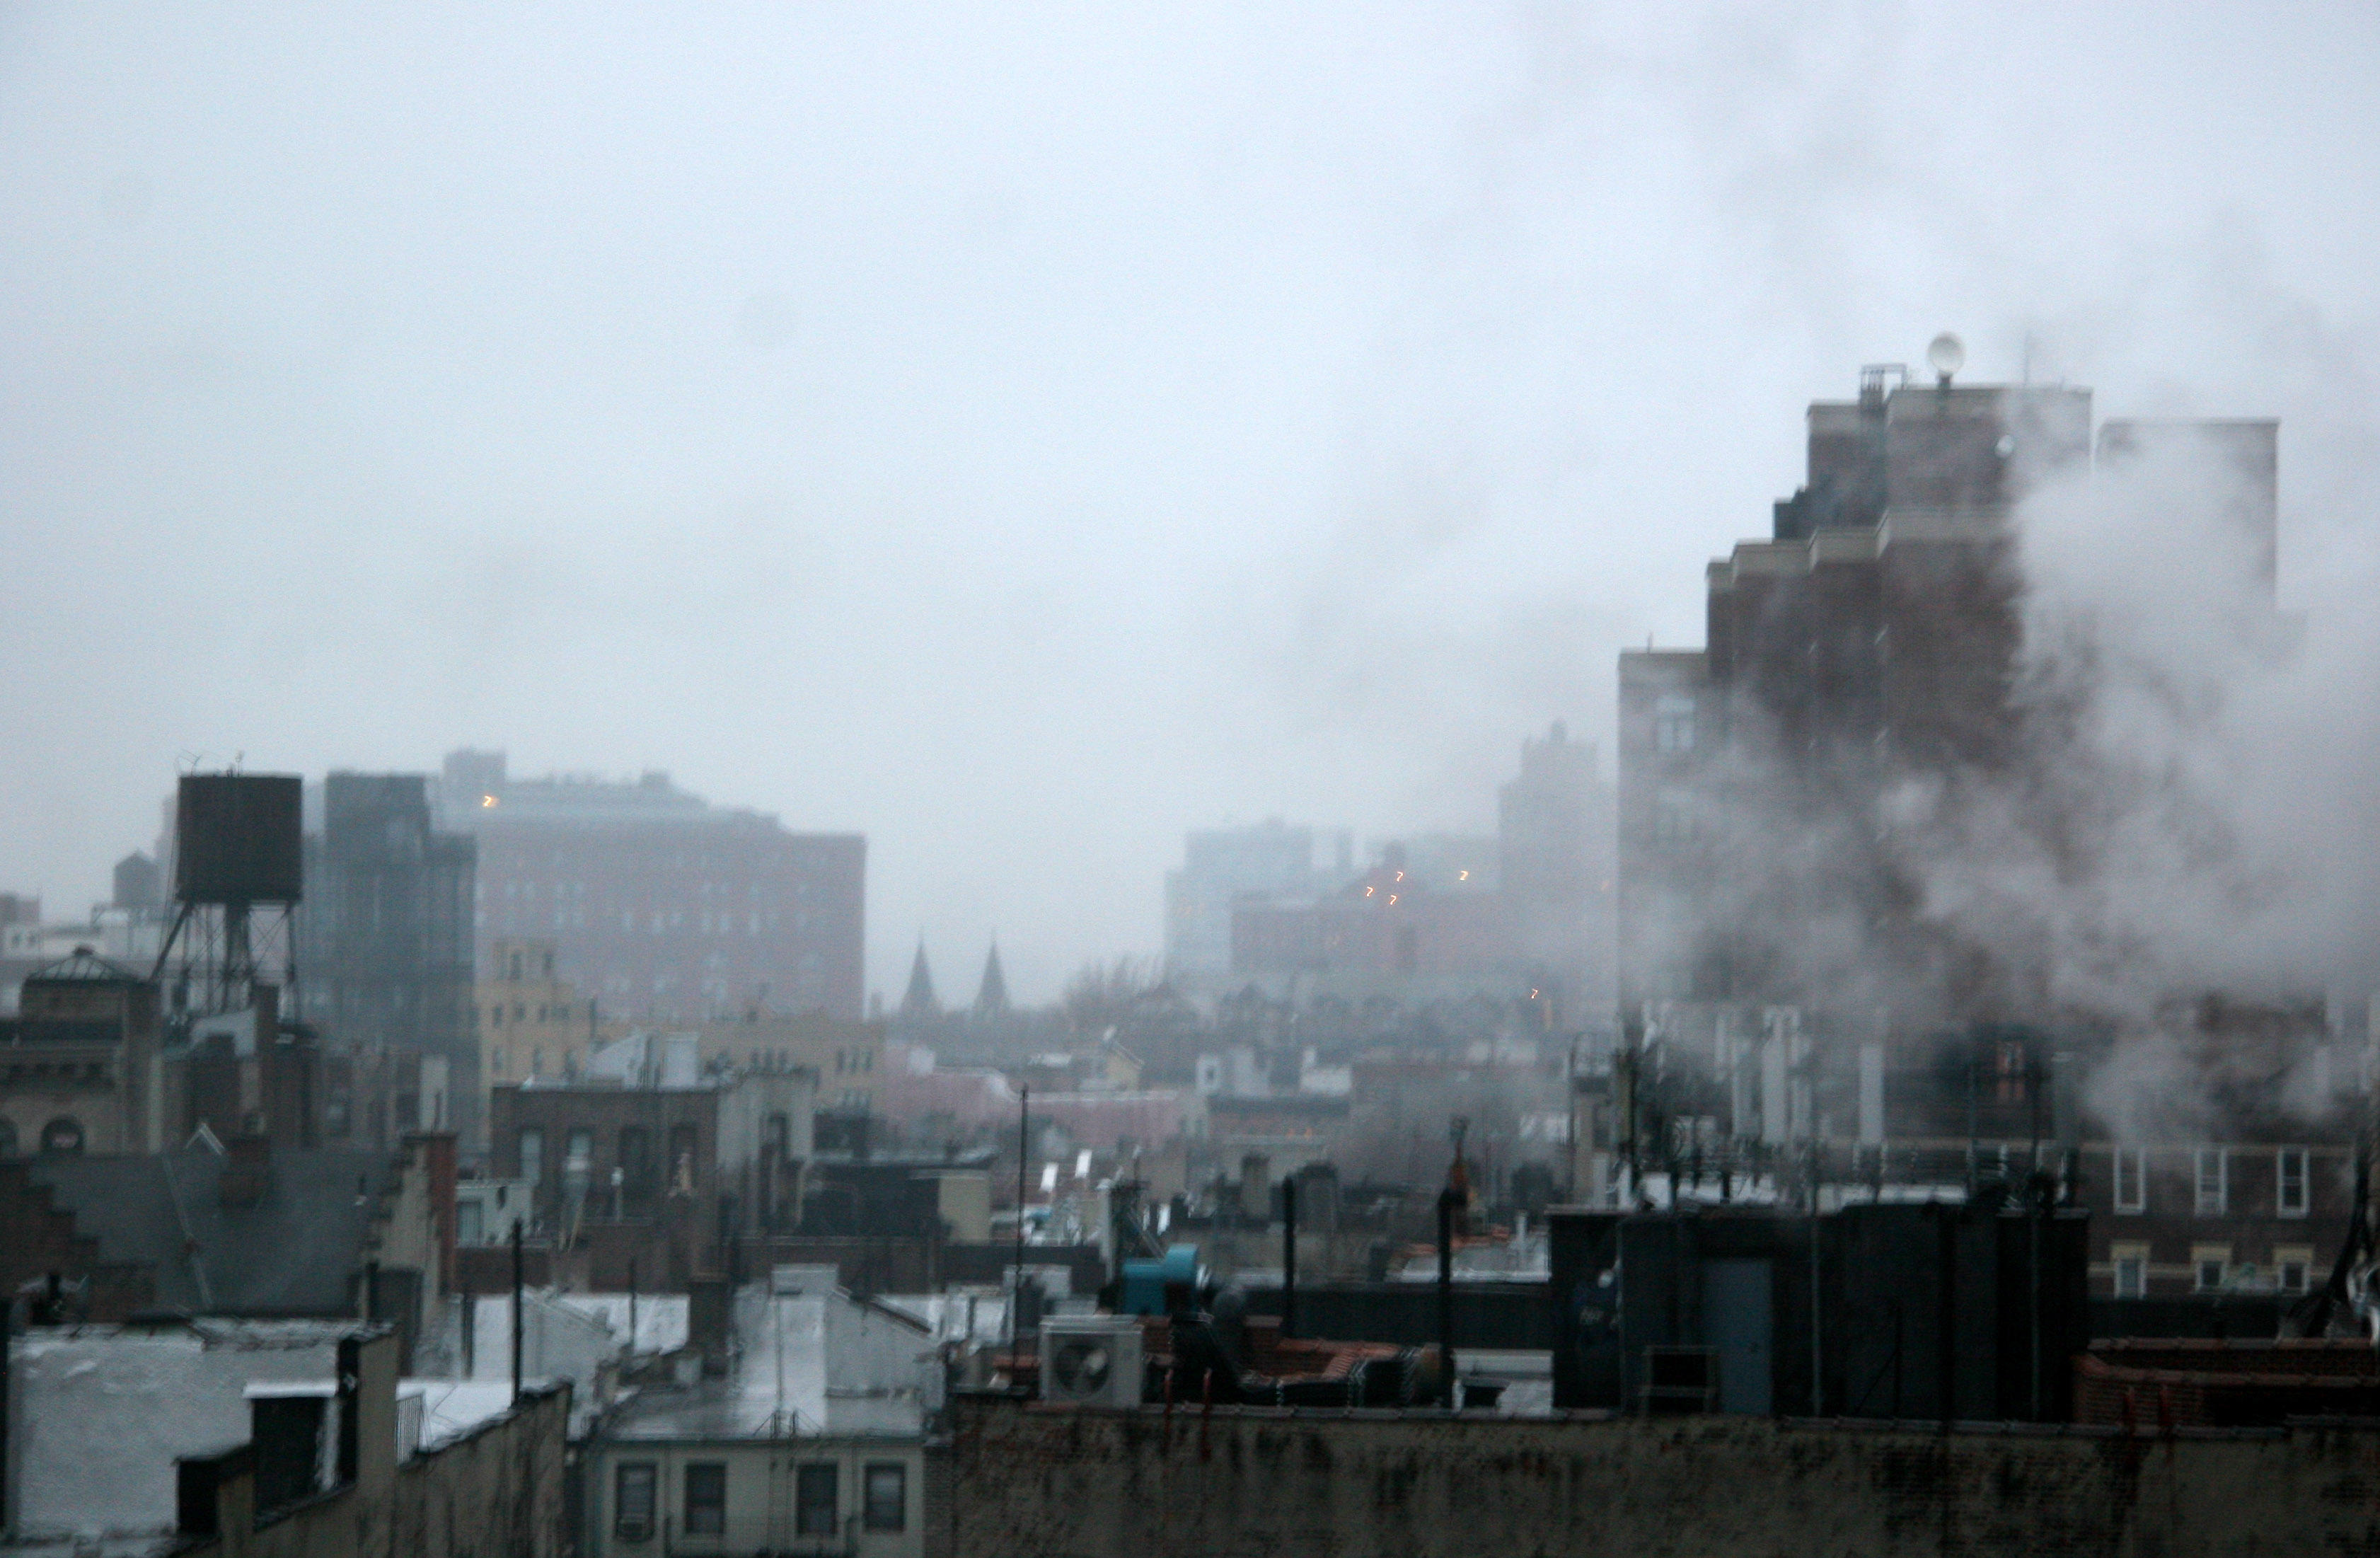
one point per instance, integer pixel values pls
(1021, 432)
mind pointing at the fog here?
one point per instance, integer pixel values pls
(1023, 433)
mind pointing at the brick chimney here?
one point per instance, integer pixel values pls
(247, 1171)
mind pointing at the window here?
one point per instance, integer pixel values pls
(2211, 1265)
(706, 1498)
(2289, 1182)
(1673, 724)
(470, 1223)
(632, 1501)
(578, 1153)
(62, 1135)
(2131, 1179)
(887, 1507)
(814, 1495)
(532, 1156)
(2292, 1267)
(2214, 1165)
(636, 1159)
(2014, 1074)
(2131, 1263)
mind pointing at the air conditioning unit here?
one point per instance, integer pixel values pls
(1091, 1360)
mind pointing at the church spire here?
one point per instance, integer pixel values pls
(991, 997)
(920, 1002)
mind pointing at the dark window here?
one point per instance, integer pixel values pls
(62, 1135)
(706, 1498)
(814, 1494)
(636, 1159)
(632, 1501)
(7, 1138)
(2014, 1074)
(887, 1506)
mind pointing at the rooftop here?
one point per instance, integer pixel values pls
(803, 1364)
(291, 1252)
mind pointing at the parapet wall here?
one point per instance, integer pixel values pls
(1054, 1482)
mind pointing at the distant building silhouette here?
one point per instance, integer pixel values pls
(991, 996)
(385, 934)
(660, 905)
(918, 1001)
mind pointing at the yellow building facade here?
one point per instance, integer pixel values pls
(531, 1024)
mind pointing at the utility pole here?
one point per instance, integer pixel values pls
(516, 1310)
(1016, 1279)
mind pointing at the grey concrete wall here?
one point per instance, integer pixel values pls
(1034, 1482)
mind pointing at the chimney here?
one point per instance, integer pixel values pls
(438, 1157)
(1255, 1187)
(247, 1171)
(709, 1304)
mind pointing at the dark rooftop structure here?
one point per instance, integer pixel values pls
(293, 1250)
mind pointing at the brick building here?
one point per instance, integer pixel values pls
(82, 1068)
(660, 905)
(671, 1170)
(1853, 718)
(1803, 997)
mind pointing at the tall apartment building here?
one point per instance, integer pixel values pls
(1854, 716)
(661, 906)
(384, 937)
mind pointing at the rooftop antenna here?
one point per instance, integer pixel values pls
(1946, 355)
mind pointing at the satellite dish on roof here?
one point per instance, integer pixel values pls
(1947, 355)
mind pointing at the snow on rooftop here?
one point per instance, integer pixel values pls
(451, 1409)
(99, 1414)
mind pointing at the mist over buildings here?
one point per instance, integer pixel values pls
(1019, 439)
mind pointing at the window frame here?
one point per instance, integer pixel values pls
(2282, 1160)
(2217, 1204)
(2298, 1255)
(2138, 1203)
(1673, 724)
(647, 1472)
(2203, 1256)
(870, 1508)
(806, 1477)
(2137, 1261)
(707, 1518)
